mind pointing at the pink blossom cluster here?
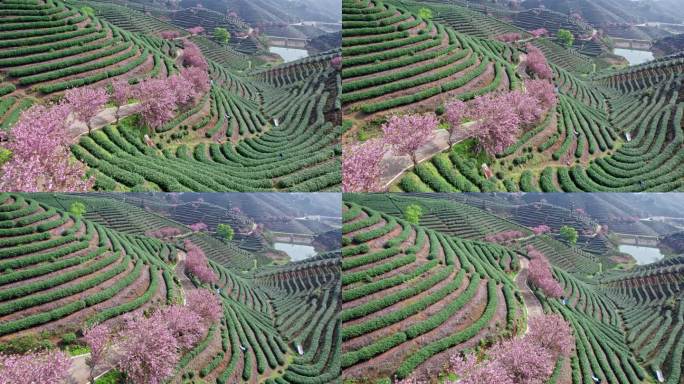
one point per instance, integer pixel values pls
(86, 102)
(539, 32)
(185, 325)
(205, 304)
(504, 237)
(41, 159)
(198, 227)
(521, 360)
(509, 37)
(405, 134)
(543, 91)
(196, 263)
(540, 274)
(580, 211)
(537, 64)
(499, 117)
(361, 166)
(169, 35)
(497, 124)
(36, 367)
(148, 350)
(192, 56)
(164, 232)
(542, 228)
(196, 30)
(336, 62)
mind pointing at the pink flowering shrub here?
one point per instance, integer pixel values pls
(37, 367)
(540, 229)
(121, 92)
(197, 265)
(98, 339)
(361, 166)
(336, 62)
(41, 159)
(405, 134)
(540, 274)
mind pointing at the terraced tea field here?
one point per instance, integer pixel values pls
(63, 273)
(416, 295)
(259, 128)
(610, 130)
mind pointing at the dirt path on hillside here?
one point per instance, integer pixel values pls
(394, 166)
(532, 304)
(102, 119)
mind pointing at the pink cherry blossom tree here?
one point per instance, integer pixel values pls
(37, 367)
(197, 78)
(497, 124)
(148, 350)
(525, 106)
(405, 134)
(361, 166)
(537, 64)
(543, 91)
(195, 30)
(192, 56)
(198, 227)
(454, 112)
(520, 360)
(121, 92)
(41, 159)
(98, 339)
(540, 229)
(86, 102)
(169, 35)
(336, 62)
(205, 304)
(184, 324)
(509, 37)
(157, 102)
(539, 32)
(551, 332)
(540, 274)
(197, 265)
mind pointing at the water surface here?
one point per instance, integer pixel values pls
(643, 255)
(296, 251)
(634, 56)
(289, 54)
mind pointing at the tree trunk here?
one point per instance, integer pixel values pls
(415, 160)
(118, 107)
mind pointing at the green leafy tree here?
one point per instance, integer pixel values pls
(222, 35)
(225, 231)
(77, 208)
(425, 13)
(569, 234)
(565, 37)
(412, 213)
